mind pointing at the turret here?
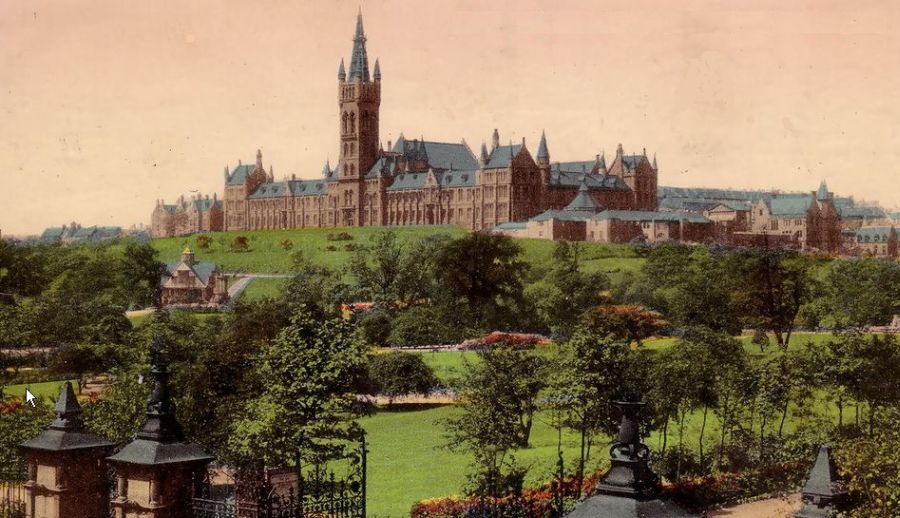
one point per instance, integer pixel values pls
(484, 154)
(376, 73)
(342, 74)
(495, 140)
(543, 155)
(259, 163)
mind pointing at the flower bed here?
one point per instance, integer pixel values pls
(721, 489)
(498, 337)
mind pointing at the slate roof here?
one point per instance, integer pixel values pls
(512, 225)
(201, 270)
(384, 166)
(632, 161)
(359, 61)
(873, 234)
(640, 215)
(605, 182)
(67, 431)
(52, 233)
(789, 205)
(822, 193)
(894, 215)
(145, 452)
(583, 201)
(169, 208)
(307, 187)
(565, 215)
(862, 212)
(270, 190)
(735, 205)
(405, 181)
(240, 173)
(205, 204)
(502, 156)
(440, 155)
(451, 179)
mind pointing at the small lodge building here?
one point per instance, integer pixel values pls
(189, 283)
(872, 241)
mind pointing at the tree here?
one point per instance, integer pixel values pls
(18, 423)
(421, 325)
(870, 464)
(317, 289)
(380, 269)
(484, 272)
(396, 374)
(141, 271)
(306, 407)
(862, 292)
(565, 292)
(498, 399)
(118, 415)
(773, 286)
(593, 375)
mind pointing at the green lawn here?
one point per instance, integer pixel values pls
(266, 254)
(46, 389)
(408, 464)
(262, 287)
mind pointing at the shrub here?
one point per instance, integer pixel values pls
(341, 236)
(331, 248)
(287, 244)
(203, 241)
(397, 374)
(376, 327)
(352, 247)
(420, 325)
(240, 244)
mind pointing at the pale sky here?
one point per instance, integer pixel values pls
(108, 105)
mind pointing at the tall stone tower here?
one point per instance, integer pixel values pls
(359, 99)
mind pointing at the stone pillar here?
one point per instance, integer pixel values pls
(823, 494)
(66, 468)
(158, 472)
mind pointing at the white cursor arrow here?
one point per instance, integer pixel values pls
(29, 397)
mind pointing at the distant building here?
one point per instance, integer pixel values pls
(75, 233)
(191, 216)
(189, 283)
(881, 241)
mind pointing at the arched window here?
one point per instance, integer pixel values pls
(344, 127)
(352, 123)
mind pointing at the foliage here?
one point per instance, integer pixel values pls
(240, 244)
(376, 326)
(566, 292)
(286, 244)
(385, 269)
(118, 415)
(306, 405)
(396, 374)
(863, 291)
(720, 489)
(483, 272)
(421, 325)
(318, 289)
(871, 465)
(498, 399)
(18, 423)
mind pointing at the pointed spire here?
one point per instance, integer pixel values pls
(342, 74)
(619, 151)
(68, 411)
(376, 72)
(654, 162)
(326, 169)
(271, 174)
(359, 61)
(542, 152)
(226, 172)
(822, 193)
(484, 154)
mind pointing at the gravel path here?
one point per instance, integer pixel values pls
(782, 507)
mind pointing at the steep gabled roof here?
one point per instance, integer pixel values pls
(239, 174)
(583, 201)
(405, 181)
(502, 156)
(789, 205)
(439, 155)
(201, 270)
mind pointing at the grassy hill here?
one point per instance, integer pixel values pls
(266, 255)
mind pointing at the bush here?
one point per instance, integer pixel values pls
(287, 244)
(341, 236)
(376, 327)
(331, 248)
(420, 325)
(397, 374)
(240, 244)
(203, 241)
(352, 247)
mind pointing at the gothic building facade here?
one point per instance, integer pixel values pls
(420, 182)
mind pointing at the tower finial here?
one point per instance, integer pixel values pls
(376, 72)
(542, 153)
(259, 158)
(359, 61)
(495, 140)
(342, 74)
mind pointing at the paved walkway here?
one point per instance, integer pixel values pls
(235, 290)
(782, 507)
